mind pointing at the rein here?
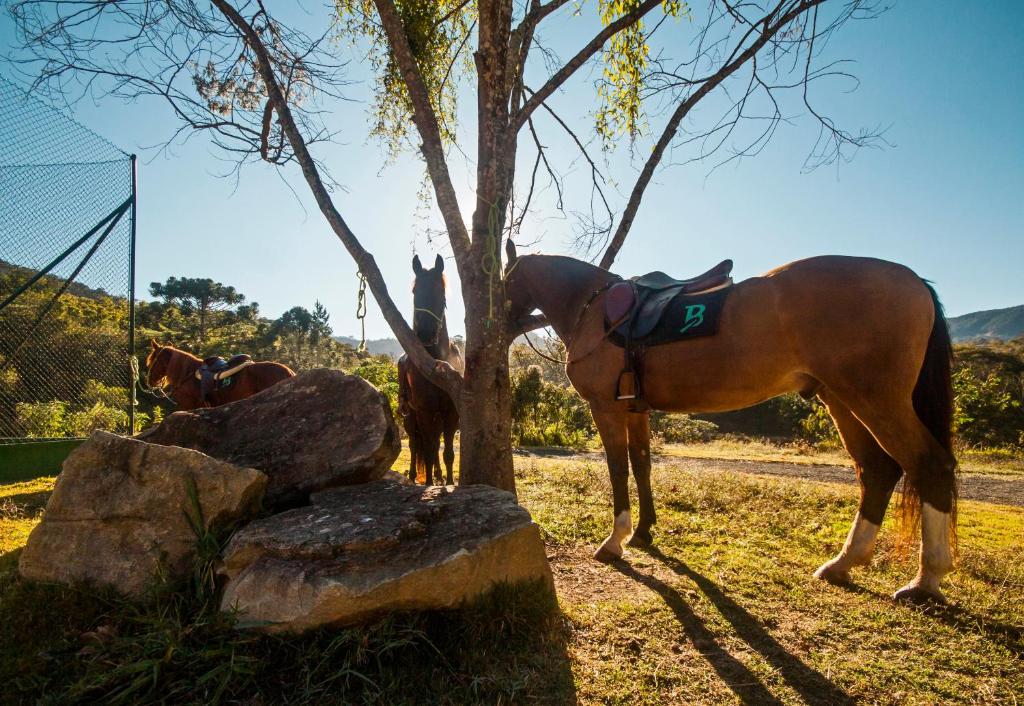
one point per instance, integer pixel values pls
(157, 392)
(579, 319)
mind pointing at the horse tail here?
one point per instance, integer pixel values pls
(933, 403)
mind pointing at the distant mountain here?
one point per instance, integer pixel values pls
(998, 323)
(377, 346)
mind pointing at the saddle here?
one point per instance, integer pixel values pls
(215, 373)
(655, 308)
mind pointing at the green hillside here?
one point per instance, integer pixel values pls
(1003, 324)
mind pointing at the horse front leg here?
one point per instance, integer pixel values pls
(611, 425)
(639, 431)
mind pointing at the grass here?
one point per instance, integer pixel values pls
(985, 461)
(724, 610)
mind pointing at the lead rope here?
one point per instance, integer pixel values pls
(157, 392)
(361, 311)
(489, 262)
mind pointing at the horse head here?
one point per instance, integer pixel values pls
(157, 361)
(428, 300)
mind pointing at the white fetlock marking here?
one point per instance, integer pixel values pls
(622, 528)
(936, 557)
(860, 542)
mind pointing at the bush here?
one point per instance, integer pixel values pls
(546, 414)
(42, 420)
(97, 417)
(682, 428)
(381, 372)
(818, 428)
(985, 413)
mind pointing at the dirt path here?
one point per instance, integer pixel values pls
(973, 486)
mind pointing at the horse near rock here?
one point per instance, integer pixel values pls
(868, 337)
(192, 382)
(428, 413)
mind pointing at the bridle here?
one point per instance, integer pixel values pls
(579, 319)
(439, 319)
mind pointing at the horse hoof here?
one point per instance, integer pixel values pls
(915, 595)
(832, 574)
(606, 556)
(641, 539)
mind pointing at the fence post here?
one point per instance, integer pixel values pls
(131, 294)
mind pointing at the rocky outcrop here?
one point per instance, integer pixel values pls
(317, 430)
(357, 552)
(117, 515)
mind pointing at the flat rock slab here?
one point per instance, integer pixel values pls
(317, 430)
(362, 551)
(117, 515)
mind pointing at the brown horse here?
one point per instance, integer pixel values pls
(427, 410)
(174, 370)
(867, 336)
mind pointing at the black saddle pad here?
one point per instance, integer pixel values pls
(685, 316)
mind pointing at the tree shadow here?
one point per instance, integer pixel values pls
(812, 686)
(30, 503)
(1008, 635)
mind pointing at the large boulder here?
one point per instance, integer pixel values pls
(317, 430)
(358, 552)
(117, 515)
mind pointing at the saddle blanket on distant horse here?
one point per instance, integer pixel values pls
(682, 317)
(215, 372)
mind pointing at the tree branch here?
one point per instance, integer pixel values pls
(573, 65)
(443, 376)
(426, 123)
(771, 27)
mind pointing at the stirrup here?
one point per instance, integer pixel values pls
(626, 391)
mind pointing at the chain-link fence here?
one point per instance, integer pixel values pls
(66, 271)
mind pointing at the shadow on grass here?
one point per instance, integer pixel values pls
(813, 687)
(72, 644)
(1009, 636)
(30, 503)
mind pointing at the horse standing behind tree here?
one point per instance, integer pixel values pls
(427, 411)
(867, 336)
(176, 371)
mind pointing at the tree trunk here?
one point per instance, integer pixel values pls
(485, 406)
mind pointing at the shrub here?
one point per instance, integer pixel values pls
(97, 417)
(682, 428)
(546, 414)
(41, 420)
(381, 372)
(985, 413)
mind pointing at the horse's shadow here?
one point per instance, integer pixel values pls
(1006, 634)
(812, 686)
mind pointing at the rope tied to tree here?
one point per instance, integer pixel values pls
(490, 260)
(361, 310)
(157, 392)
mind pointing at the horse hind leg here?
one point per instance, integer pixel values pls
(878, 474)
(930, 489)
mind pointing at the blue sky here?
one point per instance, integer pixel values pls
(946, 198)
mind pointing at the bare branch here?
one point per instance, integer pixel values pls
(426, 123)
(770, 25)
(581, 57)
(444, 377)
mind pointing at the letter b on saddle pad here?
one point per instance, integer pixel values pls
(675, 318)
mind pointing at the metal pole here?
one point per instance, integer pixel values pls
(131, 292)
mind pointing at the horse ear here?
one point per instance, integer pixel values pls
(153, 344)
(416, 266)
(510, 251)
(439, 263)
